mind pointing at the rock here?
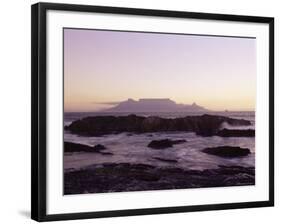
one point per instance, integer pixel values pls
(235, 170)
(140, 166)
(164, 143)
(160, 144)
(122, 177)
(205, 125)
(236, 133)
(209, 125)
(165, 160)
(76, 147)
(180, 141)
(146, 176)
(99, 147)
(227, 151)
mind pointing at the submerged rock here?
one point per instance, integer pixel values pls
(164, 143)
(180, 141)
(76, 147)
(236, 133)
(165, 160)
(227, 151)
(205, 125)
(160, 144)
(99, 147)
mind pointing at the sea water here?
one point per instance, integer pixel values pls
(132, 148)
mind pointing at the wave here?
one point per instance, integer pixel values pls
(225, 125)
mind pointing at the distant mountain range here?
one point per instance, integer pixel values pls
(154, 105)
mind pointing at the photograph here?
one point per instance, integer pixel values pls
(147, 111)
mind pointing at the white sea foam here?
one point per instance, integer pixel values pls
(133, 149)
(235, 127)
(127, 148)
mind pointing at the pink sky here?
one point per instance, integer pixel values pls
(110, 66)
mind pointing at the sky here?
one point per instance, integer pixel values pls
(103, 66)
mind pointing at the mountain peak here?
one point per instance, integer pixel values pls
(154, 105)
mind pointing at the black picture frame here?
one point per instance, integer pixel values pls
(39, 122)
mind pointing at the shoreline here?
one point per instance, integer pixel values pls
(124, 177)
(160, 158)
(204, 125)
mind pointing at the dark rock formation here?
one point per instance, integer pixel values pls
(205, 125)
(227, 151)
(236, 133)
(164, 143)
(165, 160)
(112, 177)
(99, 147)
(76, 147)
(180, 141)
(160, 144)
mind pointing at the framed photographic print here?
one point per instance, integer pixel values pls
(141, 111)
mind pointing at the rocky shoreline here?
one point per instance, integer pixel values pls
(112, 177)
(71, 147)
(221, 151)
(117, 177)
(164, 143)
(160, 170)
(227, 151)
(236, 133)
(205, 125)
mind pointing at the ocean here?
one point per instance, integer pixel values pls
(132, 148)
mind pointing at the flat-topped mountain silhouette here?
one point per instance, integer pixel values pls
(154, 105)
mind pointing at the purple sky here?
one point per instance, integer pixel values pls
(106, 66)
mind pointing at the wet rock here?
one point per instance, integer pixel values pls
(164, 143)
(165, 160)
(180, 141)
(236, 133)
(146, 176)
(205, 125)
(140, 166)
(231, 170)
(99, 147)
(118, 177)
(160, 144)
(227, 151)
(76, 147)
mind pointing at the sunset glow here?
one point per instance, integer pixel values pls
(218, 73)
